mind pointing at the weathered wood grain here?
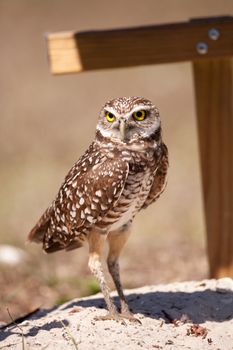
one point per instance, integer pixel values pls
(71, 52)
(214, 101)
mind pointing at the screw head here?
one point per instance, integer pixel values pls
(213, 34)
(202, 48)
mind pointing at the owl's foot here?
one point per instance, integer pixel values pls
(130, 316)
(119, 317)
(115, 316)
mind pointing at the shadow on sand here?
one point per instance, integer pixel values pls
(196, 307)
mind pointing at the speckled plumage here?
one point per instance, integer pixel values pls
(115, 178)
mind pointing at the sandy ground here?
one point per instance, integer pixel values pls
(187, 315)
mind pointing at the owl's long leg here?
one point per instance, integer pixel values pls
(117, 240)
(96, 242)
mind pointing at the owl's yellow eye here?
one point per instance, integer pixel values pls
(110, 117)
(139, 115)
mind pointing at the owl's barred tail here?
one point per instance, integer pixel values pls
(39, 232)
(40, 229)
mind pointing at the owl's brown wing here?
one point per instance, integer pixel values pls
(159, 182)
(91, 188)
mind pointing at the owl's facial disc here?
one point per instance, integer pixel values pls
(128, 119)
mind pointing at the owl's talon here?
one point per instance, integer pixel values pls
(119, 317)
(129, 316)
(111, 316)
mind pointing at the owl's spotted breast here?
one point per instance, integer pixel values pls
(142, 168)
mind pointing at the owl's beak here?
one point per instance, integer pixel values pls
(122, 129)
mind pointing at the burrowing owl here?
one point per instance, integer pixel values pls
(123, 171)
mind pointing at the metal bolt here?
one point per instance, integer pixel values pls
(202, 48)
(213, 33)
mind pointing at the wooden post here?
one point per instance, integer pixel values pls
(213, 87)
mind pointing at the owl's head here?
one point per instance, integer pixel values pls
(128, 119)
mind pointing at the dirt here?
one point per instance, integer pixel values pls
(187, 315)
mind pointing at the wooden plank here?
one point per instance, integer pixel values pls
(214, 96)
(71, 52)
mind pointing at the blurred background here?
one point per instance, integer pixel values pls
(46, 123)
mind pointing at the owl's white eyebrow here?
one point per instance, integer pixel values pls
(111, 110)
(139, 108)
(135, 109)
